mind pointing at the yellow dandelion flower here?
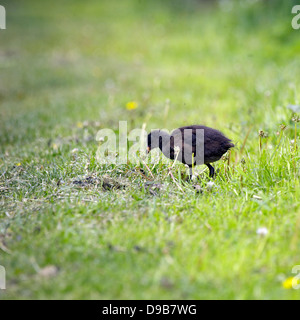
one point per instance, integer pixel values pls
(79, 125)
(289, 282)
(19, 164)
(131, 105)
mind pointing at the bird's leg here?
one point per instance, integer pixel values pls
(211, 170)
(190, 173)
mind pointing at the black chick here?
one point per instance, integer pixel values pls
(191, 145)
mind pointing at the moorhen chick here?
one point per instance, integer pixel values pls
(191, 145)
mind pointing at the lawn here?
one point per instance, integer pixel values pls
(74, 228)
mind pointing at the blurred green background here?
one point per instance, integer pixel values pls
(69, 68)
(216, 61)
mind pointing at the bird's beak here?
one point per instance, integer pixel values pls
(148, 150)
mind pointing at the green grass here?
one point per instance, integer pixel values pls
(67, 69)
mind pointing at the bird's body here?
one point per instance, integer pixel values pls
(195, 144)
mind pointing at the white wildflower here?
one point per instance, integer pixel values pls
(210, 185)
(262, 231)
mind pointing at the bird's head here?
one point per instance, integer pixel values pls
(155, 139)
